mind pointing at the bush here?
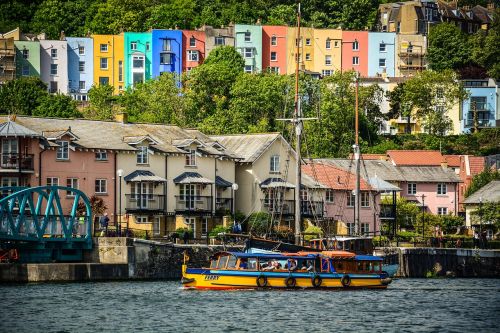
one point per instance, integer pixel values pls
(180, 232)
(407, 236)
(313, 229)
(219, 229)
(259, 223)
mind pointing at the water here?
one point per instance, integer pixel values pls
(409, 305)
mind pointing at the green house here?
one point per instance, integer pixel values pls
(27, 58)
(138, 51)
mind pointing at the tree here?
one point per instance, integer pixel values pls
(57, 106)
(480, 180)
(282, 15)
(22, 96)
(395, 98)
(406, 212)
(228, 56)
(176, 13)
(487, 213)
(101, 102)
(448, 47)
(484, 47)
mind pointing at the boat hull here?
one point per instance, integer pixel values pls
(237, 279)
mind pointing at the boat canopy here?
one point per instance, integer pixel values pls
(367, 258)
(279, 256)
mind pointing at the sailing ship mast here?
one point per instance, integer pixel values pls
(357, 156)
(298, 131)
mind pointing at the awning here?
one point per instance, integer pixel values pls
(191, 178)
(221, 182)
(276, 182)
(143, 176)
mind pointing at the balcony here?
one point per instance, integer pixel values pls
(411, 67)
(311, 208)
(284, 207)
(193, 204)
(223, 206)
(482, 122)
(144, 203)
(404, 120)
(16, 161)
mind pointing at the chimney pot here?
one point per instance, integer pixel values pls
(122, 117)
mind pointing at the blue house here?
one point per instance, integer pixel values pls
(480, 109)
(381, 54)
(80, 66)
(167, 52)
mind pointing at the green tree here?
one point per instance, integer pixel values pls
(450, 223)
(406, 212)
(259, 223)
(484, 47)
(57, 106)
(175, 13)
(282, 15)
(487, 213)
(17, 14)
(448, 47)
(395, 98)
(480, 180)
(22, 96)
(101, 102)
(228, 56)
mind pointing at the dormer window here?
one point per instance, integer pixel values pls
(142, 155)
(62, 150)
(274, 165)
(191, 158)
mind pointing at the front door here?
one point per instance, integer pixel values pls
(10, 150)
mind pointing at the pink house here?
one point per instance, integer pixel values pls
(193, 53)
(355, 51)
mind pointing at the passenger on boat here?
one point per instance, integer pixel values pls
(292, 265)
(270, 266)
(307, 266)
(243, 263)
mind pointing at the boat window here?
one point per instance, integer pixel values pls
(252, 263)
(339, 266)
(324, 265)
(376, 267)
(213, 263)
(222, 262)
(231, 262)
(360, 266)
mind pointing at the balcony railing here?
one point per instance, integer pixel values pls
(480, 123)
(285, 207)
(193, 204)
(144, 202)
(17, 161)
(223, 206)
(311, 208)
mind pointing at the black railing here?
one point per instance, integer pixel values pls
(480, 122)
(223, 206)
(144, 202)
(17, 161)
(285, 207)
(311, 208)
(196, 203)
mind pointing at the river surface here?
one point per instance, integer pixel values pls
(408, 305)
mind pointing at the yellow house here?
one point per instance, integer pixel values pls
(109, 61)
(327, 51)
(307, 42)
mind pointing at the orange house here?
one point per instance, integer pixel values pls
(274, 49)
(355, 51)
(193, 53)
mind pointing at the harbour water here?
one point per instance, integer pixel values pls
(408, 305)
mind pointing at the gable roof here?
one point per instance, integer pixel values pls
(488, 193)
(452, 160)
(415, 157)
(332, 177)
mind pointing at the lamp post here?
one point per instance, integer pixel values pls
(119, 173)
(234, 187)
(423, 217)
(480, 215)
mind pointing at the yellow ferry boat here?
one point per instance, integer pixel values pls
(328, 269)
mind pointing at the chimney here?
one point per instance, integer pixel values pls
(62, 36)
(121, 117)
(258, 21)
(444, 164)
(490, 6)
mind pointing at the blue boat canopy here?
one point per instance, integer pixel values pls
(278, 256)
(367, 258)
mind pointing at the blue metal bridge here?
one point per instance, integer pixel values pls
(34, 222)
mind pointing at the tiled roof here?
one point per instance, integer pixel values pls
(415, 157)
(488, 193)
(333, 177)
(476, 164)
(452, 160)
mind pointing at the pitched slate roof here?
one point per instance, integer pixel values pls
(12, 129)
(488, 193)
(415, 157)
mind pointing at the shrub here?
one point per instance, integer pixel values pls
(217, 230)
(313, 229)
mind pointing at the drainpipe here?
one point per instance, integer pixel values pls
(40, 166)
(456, 200)
(165, 198)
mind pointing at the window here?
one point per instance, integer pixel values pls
(365, 228)
(101, 186)
(138, 62)
(192, 55)
(412, 188)
(26, 70)
(103, 80)
(53, 86)
(120, 71)
(53, 53)
(304, 195)
(165, 58)
(220, 41)
(104, 63)
(330, 196)
(350, 228)
(478, 103)
(101, 156)
(274, 165)
(328, 44)
(308, 56)
(62, 150)
(191, 158)
(308, 41)
(104, 47)
(382, 47)
(167, 45)
(52, 181)
(381, 62)
(142, 155)
(355, 46)
(192, 41)
(81, 85)
(248, 69)
(350, 199)
(147, 46)
(81, 50)
(355, 61)
(441, 189)
(248, 52)
(71, 182)
(274, 56)
(53, 69)
(191, 224)
(365, 199)
(442, 210)
(248, 36)
(326, 72)
(274, 40)
(141, 219)
(275, 70)
(204, 227)
(26, 54)
(81, 66)
(133, 46)
(328, 60)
